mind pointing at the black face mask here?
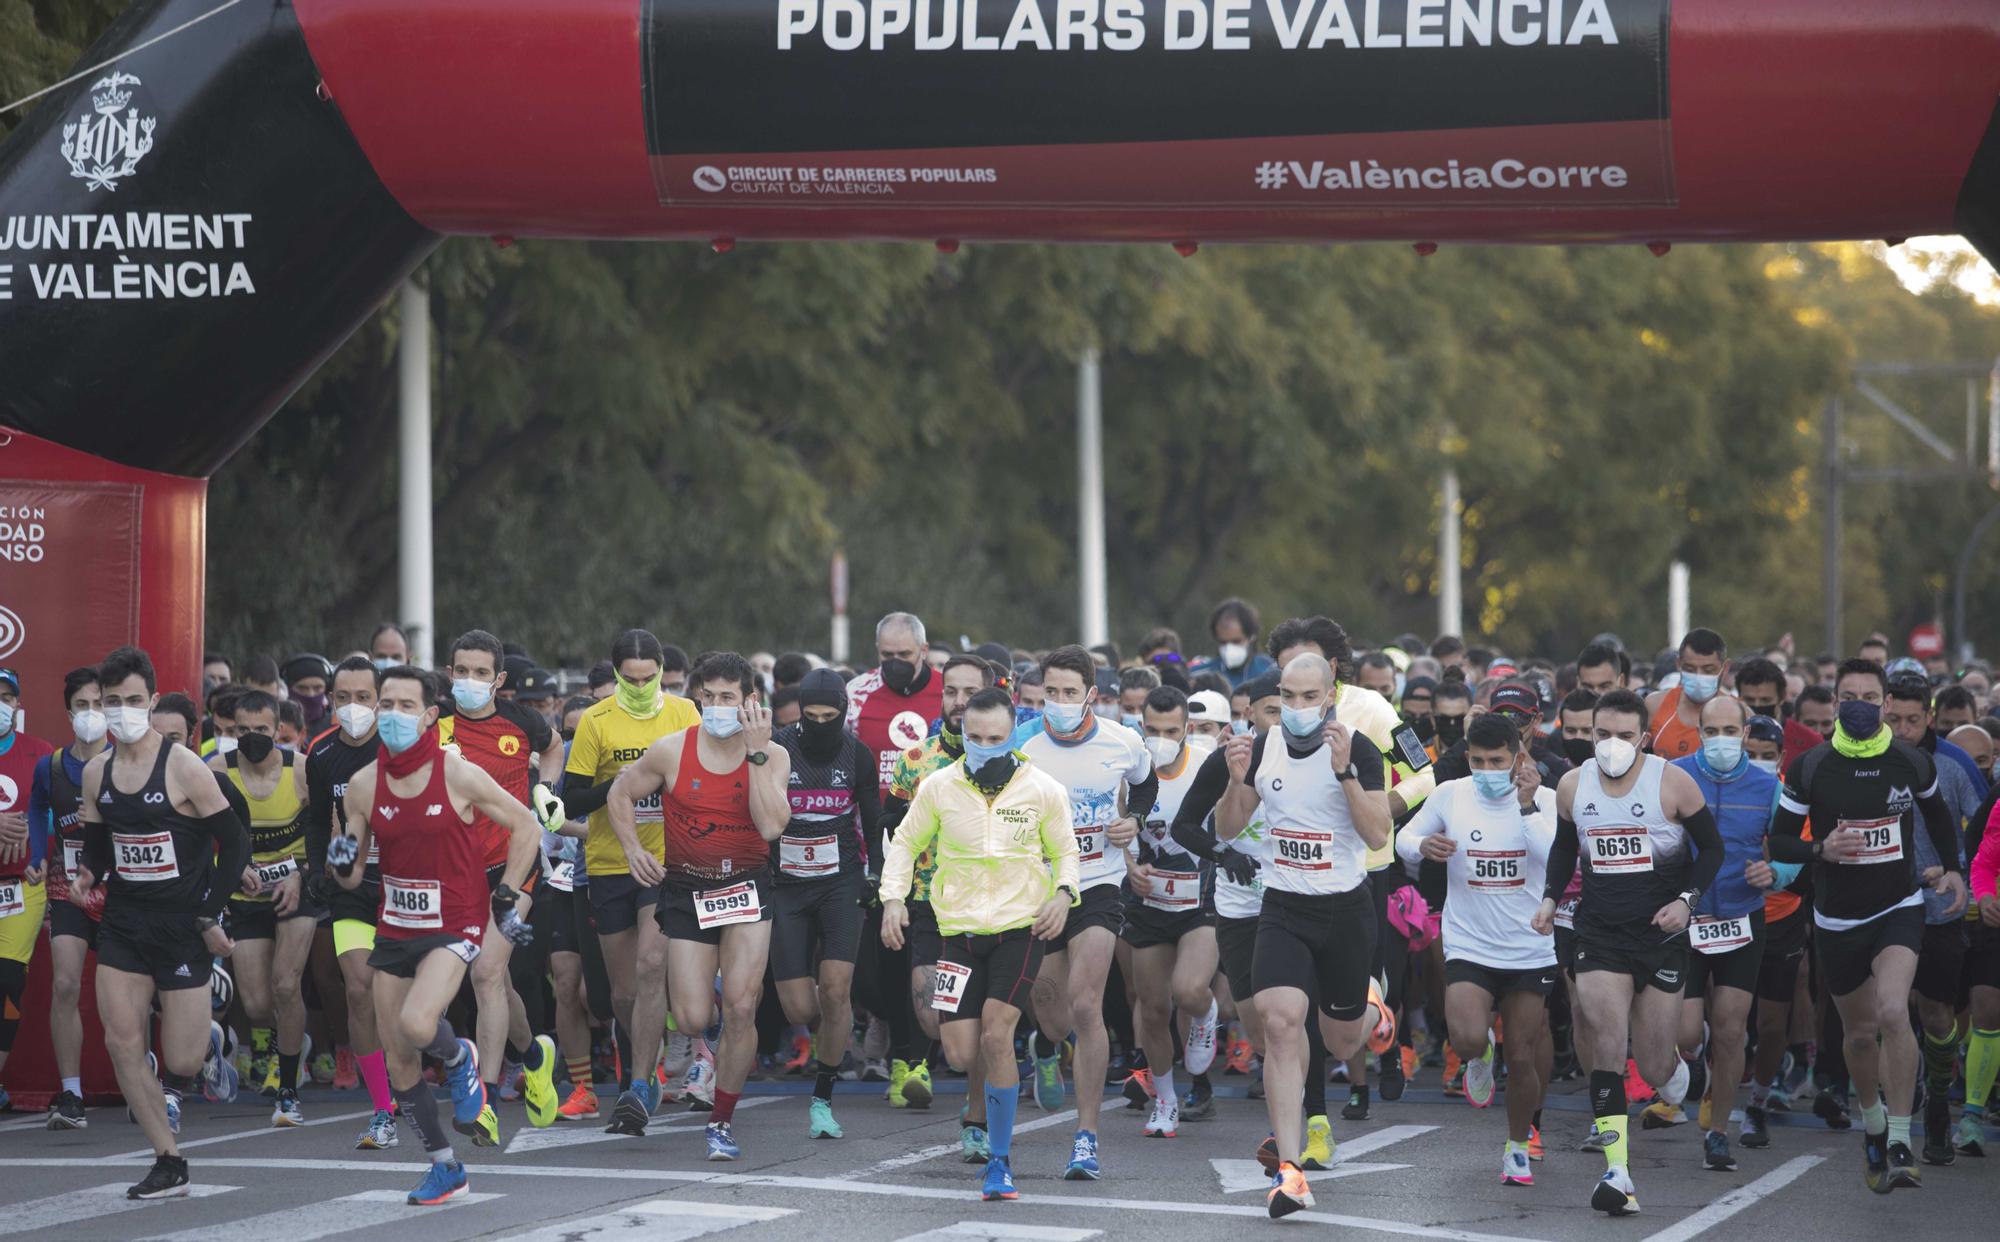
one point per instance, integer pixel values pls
(1423, 726)
(994, 775)
(1450, 730)
(899, 675)
(820, 737)
(1578, 749)
(256, 747)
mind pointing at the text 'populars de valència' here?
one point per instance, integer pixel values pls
(1190, 25)
(129, 256)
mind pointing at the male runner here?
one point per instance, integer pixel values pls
(817, 887)
(723, 795)
(576, 965)
(23, 859)
(1325, 807)
(1493, 830)
(159, 833)
(1676, 713)
(417, 808)
(1982, 1052)
(1005, 880)
(1634, 819)
(1861, 793)
(511, 742)
(58, 792)
(271, 922)
(609, 738)
(1110, 779)
(1780, 985)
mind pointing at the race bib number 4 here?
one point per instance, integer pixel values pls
(720, 907)
(1301, 851)
(13, 898)
(808, 858)
(145, 858)
(414, 905)
(1881, 840)
(1495, 871)
(1720, 935)
(949, 989)
(1176, 892)
(1619, 849)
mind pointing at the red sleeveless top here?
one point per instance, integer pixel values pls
(710, 835)
(433, 864)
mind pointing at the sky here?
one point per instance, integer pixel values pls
(1912, 259)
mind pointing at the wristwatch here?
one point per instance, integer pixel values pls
(759, 758)
(1068, 891)
(1691, 896)
(1350, 772)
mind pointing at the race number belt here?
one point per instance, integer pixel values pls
(1881, 840)
(808, 858)
(13, 898)
(950, 987)
(1298, 849)
(1619, 849)
(720, 907)
(414, 905)
(145, 858)
(1176, 892)
(1566, 912)
(1496, 871)
(1713, 935)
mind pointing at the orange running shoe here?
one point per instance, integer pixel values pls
(1240, 1053)
(1289, 1192)
(1383, 1036)
(1139, 1088)
(1535, 1149)
(580, 1106)
(1411, 1063)
(345, 1077)
(1636, 1090)
(1454, 1073)
(802, 1055)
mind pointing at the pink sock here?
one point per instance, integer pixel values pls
(375, 1072)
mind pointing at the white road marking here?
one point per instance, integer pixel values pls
(37, 1122)
(1238, 1176)
(65, 1213)
(1737, 1200)
(528, 1139)
(662, 1220)
(323, 1219)
(948, 1149)
(1000, 1231)
(263, 1131)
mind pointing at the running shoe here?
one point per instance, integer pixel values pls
(1779, 1100)
(287, 1114)
(802, 1054)
(173, 1101)
(1049, 1082)
(698, 1086)
(1514, 1167)
(1138, 1089)
(1594, 1141)
(1829, 1107)
(1083, 1166)
(633, 1110)
(1970, 1137)
(1903, 1171)
(485, 1129)
(1660, 1115)
(1289, 1192)
(345, 1076)
(1240, 1053)
(580, 1106)
(678, 1052)
(1198, 1051)
(1318, 1153)
(66, 1112)
(219, 1082)
(468, 1094)
(1614, 1194)
(1755, 1132)
(445, 1181)
(538, 1086)
(721, 1143)
(1166, 1119)
(1479, 1079)
(1389, 1074)
(1267, 1154)
(1875, 1162)
(973, 1147)
(820, 1123)
(168, 1179)
(1381, 1036)
(1356, 1108)
(1454, 1073)
(1536, 1151)
(875, 1069)
(1938, 1147)
(1410, 1061)
(1199, 1102)
(508, 1086)
(380, 1134)
(1715, 1154)
(917, 1087)
(999, 1181)
(323, 1070)
(1690, 1080)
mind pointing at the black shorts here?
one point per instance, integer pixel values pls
(1941, 962)
(564, 914)
(1499, 981)
(402, 957)
(498, 872)
(826, 912)
(66, 918)
(922, 937)
(258, 920)
(1566, 950)
(1236, 945)
(1322, 944)
(167, 947)
(1101, 905)
(615, 901)
(1982, 961)
(362, 904)
(1146, 927)
(676, 909)
(1640, 951)
(998, 968)
(1846, 959)
(1739, 968)
(1785, 944)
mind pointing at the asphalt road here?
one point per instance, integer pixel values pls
(1423, 1167)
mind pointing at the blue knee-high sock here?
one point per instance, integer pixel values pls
(1000, 1103)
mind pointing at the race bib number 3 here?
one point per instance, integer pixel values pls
(950, 987)
(1301, 851)
(1176, 892)
(13, 898)
(1720, 935)
(1881, 840)
(808, 858)
(720, 907)
(414, 905)
(1495, 871)
(1619, 849)
(145, 858)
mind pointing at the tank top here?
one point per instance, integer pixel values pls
(1314, 846)
(707, 815)
(277, 827)
(821, 839)
(1178, 876)
(160, 858)
(1673, 740)
(1634, 858)
(66, 814)
(433, 863)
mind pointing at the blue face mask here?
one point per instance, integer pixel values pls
(398, 731)
(1860, 720)
(1493, 786)
(1133, 723)
(1722, 754)
(471, 694)
(6, 718)
(1063, 717)
(721, 722)
(384, 664)
(1241, 728)
(1302, 722)
(977, 756)
(1700, 687)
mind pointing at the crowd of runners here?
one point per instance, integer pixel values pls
(1713, 885)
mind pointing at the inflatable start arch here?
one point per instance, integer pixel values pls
(229, 186)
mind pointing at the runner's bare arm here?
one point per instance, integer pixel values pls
(770, 793)
(654, 771)
(484, 794)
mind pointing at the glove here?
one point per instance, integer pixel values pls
(320, 887)
(548, 808)
(871, 890)
(341, 853)
(1238, 866)
(504, 898)
(518, 934)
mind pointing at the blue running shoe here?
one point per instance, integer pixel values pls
(1083, 1166)
(999, 1183)
(219, 1079)
(173, 1099)
(1049, 1082)
(445, 1181)
(468, 1094)
(634, 1107)
(721, 1144)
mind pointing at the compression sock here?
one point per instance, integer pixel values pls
(725, 1106)
(421, 1107)
(288, 1071)
(1000, 1105)
(1899, 1129)
(579, 1070)
(1875, 1117)
(1607, 1105)
(375, 1072)
(1163, 1083)
(444, 1045)
(1315, 1072)
(1940, 1061)
(1982, 1064)
(823, 1076)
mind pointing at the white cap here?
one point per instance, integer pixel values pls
(1208, 705)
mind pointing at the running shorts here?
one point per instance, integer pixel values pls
(1640, 951)
(1941, 961)
(1102, 905)
(66, 918)
(826, 912)
(922, 937)
(1847, 958)
(166, 947)
(1785, 944)
(1498, 981)
(1236, 943)
(352, 934)
(402, 957)
(20, 930)
(1982, 962)
(975, 969)
(1739, 968)
(1146, 927)
(616, 901)
(1320, 943)
(675, 911)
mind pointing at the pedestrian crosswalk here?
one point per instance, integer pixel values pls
(64, 1212)
(660, 1220)
(1002, 1231)
(323, 1219)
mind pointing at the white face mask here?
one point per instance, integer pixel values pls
(1615, 756)
(89, 725)
(1164, 751)
(129, 724)
(224, 745)
(1234, 655)
(1765, 765)
(355, 719)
